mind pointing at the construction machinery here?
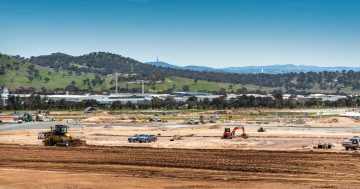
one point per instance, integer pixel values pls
(353, 143)
(27, 117)
(230, 135)
(60, 137)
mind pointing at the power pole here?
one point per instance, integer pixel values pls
(142, 87)
(116, 82)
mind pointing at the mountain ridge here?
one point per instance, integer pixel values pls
(271, 69)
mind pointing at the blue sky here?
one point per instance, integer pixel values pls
(216, 33)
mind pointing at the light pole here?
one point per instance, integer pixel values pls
(116, 82)
(142, 85)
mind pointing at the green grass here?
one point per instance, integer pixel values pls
(14, 79)
(200, 86)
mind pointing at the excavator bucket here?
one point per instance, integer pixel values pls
(244, 136)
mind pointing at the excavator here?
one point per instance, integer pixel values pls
(60, 137)
(230, 135)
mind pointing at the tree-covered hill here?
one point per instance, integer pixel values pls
(21, 76)
(92, 72)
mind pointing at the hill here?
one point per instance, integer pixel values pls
(94, 72)
(287, 68)
(190, 67)
(271, 69)
(200, 68)
(162, 64)
(20, 75)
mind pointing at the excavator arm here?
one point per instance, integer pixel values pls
(236, 128)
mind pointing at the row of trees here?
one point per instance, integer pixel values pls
(35, 102)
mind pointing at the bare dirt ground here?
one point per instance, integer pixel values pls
(130, 167)
(281, 157)
(197, 137)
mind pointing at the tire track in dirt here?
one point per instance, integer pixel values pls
(243, 163)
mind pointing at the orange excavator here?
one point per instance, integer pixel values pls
(230, 135)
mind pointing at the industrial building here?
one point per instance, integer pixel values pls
(137, 98)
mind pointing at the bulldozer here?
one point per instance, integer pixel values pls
(60, 137)
(230, 135)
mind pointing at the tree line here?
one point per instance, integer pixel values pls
(35, 102)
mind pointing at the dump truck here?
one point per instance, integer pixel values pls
(60, 137)
(353, 143)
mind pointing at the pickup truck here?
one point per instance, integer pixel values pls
(213, 120)
(147, 138)
(353, 143)
(41, 135)
(154, 119)
(193, 122)
(135, 138)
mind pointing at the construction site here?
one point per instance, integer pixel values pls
(245, 148)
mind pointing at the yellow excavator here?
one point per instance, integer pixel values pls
(60, 137)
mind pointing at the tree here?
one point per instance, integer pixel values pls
(146, 104)
(72, 88)
(43, 90)
(156, 102)
(192, 102)
(222, 91)
(186, 88)
(2, 70)
(278, 95)
(242, 90)
(170, 102)
(219, 103)
(89, 103)
(173, 87)
(46, 79)
(30, 78)
(129, 105)
(1, 104)
(117, 105)
(31, 67)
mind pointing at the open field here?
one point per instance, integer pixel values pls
(190, 137)
(284, 129)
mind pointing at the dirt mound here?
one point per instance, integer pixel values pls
(109, 119)
(215, 127)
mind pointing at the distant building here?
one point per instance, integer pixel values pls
(138, 98)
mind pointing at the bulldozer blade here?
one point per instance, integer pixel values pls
(78, 142)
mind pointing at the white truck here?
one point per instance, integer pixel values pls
(353, 143)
